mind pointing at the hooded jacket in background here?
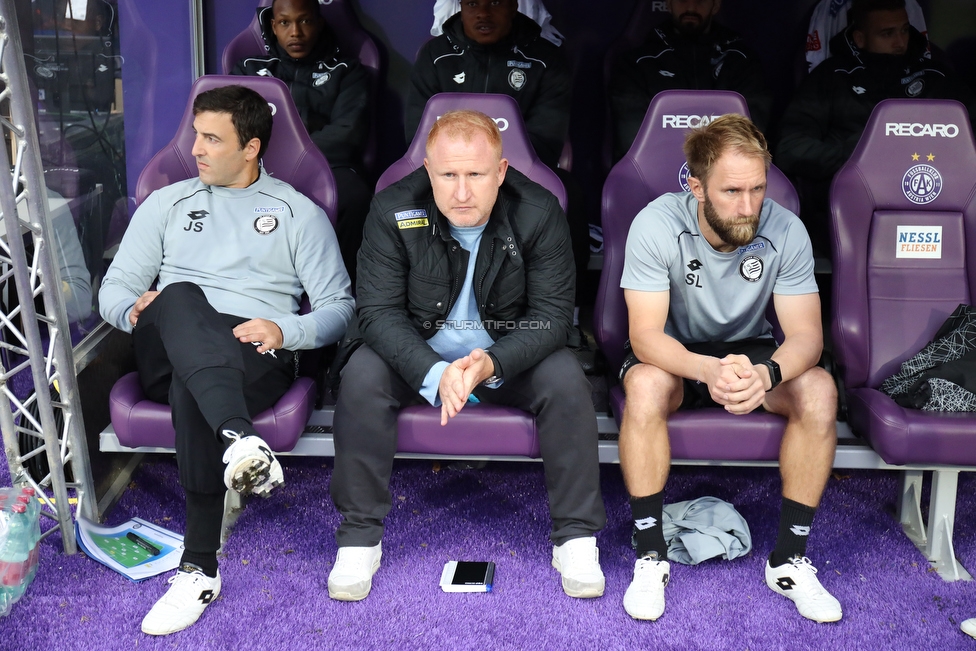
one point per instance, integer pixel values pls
(523, 65)
(669, 60)
(330, 91)
(828, 112)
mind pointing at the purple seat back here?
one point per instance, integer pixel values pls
(353, 41)
(903, 212)
(654, 166)
(515, 139)
(291, 154)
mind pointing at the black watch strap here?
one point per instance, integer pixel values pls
(775, 375)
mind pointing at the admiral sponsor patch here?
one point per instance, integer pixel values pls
(921, 184)
(416, 218)
(918, 242)
(755, 246)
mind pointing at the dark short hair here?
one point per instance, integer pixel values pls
(857, 15)
(312, 5)
(249, 112)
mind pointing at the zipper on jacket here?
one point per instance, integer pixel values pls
(455, 290)
(481, 281)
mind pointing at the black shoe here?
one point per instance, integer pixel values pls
(585, 355)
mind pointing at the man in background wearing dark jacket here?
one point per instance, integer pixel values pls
(879, 56)
(691, 50)
(331, 92)
(465, 289)
(489, 47)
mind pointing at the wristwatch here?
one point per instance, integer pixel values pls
(493, 380)
(775, 375)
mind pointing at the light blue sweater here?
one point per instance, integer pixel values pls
(253, 251)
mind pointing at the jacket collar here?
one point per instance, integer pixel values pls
(498, 224)
(842, 45)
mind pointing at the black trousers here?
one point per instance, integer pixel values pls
(179, 340)
(579, 231)
(353, 206)
(555, 391)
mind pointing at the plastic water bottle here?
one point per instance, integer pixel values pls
(6, 597)
(33, 531)
(14, 554)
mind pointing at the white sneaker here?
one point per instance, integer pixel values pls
(578, 560)
(969, 627)
(797, 581)
(191, 592)
(644, 598)
(352, 577)
(251, 465)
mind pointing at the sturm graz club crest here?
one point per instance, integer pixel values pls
(751, 268)
(265, 224)
(921, 184)
(516, 78)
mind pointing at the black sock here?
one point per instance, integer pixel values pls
(648, 514)
(204, 516)
(241, 426)
(794, 530)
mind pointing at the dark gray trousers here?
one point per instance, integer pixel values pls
(555, 391)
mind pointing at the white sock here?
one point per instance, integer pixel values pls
(575, 316)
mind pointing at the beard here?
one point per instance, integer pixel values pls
(692, 28)
(734, 232)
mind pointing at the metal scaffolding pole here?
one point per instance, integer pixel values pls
(36, 341)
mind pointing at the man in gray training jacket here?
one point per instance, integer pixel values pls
(233, 251)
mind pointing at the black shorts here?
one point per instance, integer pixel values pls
(696, 395)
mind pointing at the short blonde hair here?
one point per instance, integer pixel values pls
(466, 124)
(732, 132)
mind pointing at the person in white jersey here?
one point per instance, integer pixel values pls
(232, 252)
(700, 269)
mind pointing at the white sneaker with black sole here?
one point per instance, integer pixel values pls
(190, 593)
(578, 561)
(251, 465)
(797, 581)
(644, 598)
(351, 578)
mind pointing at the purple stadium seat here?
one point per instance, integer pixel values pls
(911, 174)
(480, 429)
(292, 157)
(291, 154)
(353, 41)
(515, 140)
(654, 166)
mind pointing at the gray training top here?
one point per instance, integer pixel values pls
(252, 251)
(716, 296)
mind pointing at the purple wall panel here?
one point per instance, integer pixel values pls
(156, 76)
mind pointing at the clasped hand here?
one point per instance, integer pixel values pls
(459, 380)
(735, 383)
